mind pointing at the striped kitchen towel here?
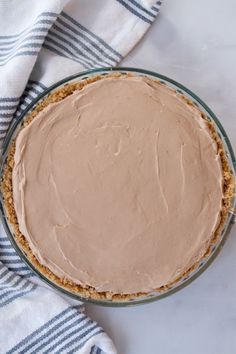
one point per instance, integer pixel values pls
(40, 43)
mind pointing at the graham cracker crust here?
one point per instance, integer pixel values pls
(87, 291)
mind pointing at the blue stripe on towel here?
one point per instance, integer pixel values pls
(12, 261)
(9, 257)
(4, 246)
(29, 95)
(99, 351)
(70, 39)
(90, 37)
(18, 295)
(11, 281)
(9, 99)
(76, 35)
(5, 115)
(8, 107)
(92, 333)
(37, 83)
(7, 46)
(143, 9)
(12, 286)
(77, 45)
(95, 350)
(18, 267)
(6, 294)
(42, 331)
(5, 124)
(4, 57)
(50, 14)
(59, 52)
(3, 272)
(129, 6)
(83, 43)
(4, 253)
(32, 90)
(33, 87)
(22, 271)
(66, 47)
(16, 45)
(28, 35)
(23, 53)
(53, 340)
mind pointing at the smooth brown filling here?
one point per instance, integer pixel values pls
(118, 186)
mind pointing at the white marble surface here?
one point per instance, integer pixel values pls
(193, 42)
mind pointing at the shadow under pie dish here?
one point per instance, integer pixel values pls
(117, 186)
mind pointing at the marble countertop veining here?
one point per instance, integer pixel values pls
(193, 42)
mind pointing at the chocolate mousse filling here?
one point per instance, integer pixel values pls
(118, 186)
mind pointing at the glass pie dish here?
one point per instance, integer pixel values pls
(215, 247)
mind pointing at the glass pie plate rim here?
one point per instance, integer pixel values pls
(205, 262)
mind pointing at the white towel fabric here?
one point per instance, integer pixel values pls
(40, 43)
